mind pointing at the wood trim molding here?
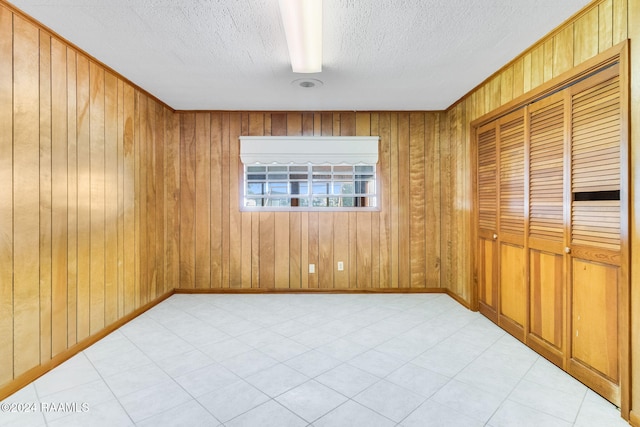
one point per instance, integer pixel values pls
(318, 291)
(460, 300)
(634, 419)
(35, 373)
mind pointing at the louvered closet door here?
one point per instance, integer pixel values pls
(595, 231)
(547, 147)
(512, 285)
(487, 221)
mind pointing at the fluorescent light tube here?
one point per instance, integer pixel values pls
(302, 20)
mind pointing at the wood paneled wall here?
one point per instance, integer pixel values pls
(599, 26)
(222, 247)
(86, 209)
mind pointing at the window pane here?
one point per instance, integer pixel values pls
(256, 169)
(365, 169)
(348, 169)
(278, 188)
(321, 187)
(319, 201)
(303, 188)
(278, 176)
(343, 188)
(347, 202)
(256, 177)
(278, 202)
(255, 188)
(364, 187)
(322, 168)
(299, 168)
(278, 168)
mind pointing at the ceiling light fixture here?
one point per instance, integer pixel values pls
(302, 21)
(307, 83)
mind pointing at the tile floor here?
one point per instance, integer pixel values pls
(311, 360)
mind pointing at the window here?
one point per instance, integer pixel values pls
(309, 173)
(315, 186)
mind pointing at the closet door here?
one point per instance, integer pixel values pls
(487, 221)
(546, 231)
(512, 287)
(595, 232)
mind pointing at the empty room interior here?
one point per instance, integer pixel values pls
(319, 213)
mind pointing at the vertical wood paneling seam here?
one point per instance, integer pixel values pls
(51, 195)
(13, 131)
(39, 189)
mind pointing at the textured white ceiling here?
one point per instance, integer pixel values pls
(232, 54)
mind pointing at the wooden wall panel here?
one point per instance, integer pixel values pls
(172, 203)
(6, 195)
(26, 180)
(45, 196)
(586, 36)
(59, 182)
(69, 196)
(84, 198)
(187, 200)
(384, 182)
(274, 249)
(202, 197)
(160, 210)
(216, 202)
(111, 198)
(142, 238)
(72, 198)
(129, 198)
(432, 219)
(97, 201)
(416, 183)
(563, 51)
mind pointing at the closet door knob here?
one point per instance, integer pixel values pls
(567, 250)
(495, 236)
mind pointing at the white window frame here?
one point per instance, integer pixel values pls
(291, 165)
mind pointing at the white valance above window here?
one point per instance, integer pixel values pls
(350, 150)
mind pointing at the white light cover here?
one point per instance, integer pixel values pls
(302, 20)
(350, 150)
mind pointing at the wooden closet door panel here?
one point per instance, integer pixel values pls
(595, 317)
(595, 233)
(488, 291)
(546, 295)
(511, 176)
(595, 163)
(546, 169)
(487, 179)
(513, 295)
(487, 221)
(546, 232)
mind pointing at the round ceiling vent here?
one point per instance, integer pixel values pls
(307, 83)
